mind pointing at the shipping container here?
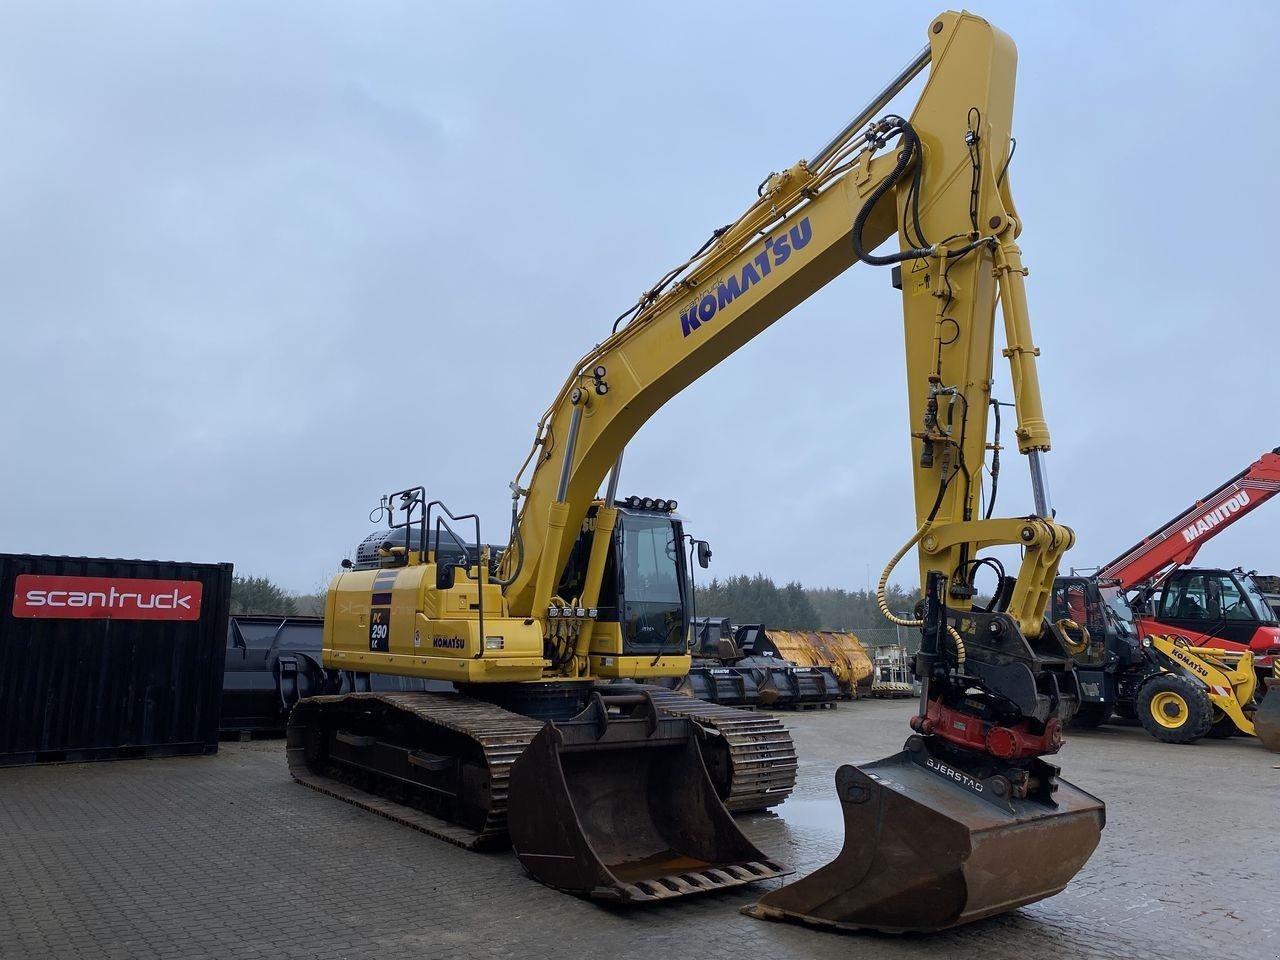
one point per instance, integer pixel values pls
(104, 659)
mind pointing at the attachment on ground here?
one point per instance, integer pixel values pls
(616, 804)
(932, 842)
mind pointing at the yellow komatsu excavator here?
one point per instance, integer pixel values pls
(607, 785)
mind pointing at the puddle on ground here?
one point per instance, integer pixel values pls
(824, 815)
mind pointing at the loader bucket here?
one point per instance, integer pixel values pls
(617, 805)
(922, 852)
(1266, 719)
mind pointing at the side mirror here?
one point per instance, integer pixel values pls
(445, 575)
(704, 554)
(346, 563)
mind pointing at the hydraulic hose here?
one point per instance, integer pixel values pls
(517, 544)
(884, 604)
(909, 148)
(909, 151)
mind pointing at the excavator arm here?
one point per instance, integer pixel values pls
(939, 182)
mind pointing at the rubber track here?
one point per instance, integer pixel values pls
(762, 754)
(500, 734)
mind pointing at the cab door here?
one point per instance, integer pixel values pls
(1207, 606)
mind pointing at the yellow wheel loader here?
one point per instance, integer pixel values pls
(1179, 690)
(1191, 692)
(610, 788)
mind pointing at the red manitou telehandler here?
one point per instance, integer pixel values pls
(1215, 624)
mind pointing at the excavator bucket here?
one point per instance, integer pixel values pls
(1266, 719)
(617, 805)
(924, 850)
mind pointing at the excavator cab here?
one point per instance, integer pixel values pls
(642, 618)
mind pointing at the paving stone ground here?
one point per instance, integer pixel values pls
(225, 857)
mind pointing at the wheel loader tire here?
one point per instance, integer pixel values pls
(1223, 727)
(1091, 715)
(1174, 709)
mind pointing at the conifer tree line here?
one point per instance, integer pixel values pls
(743, 599)
(757, 599)
(250, 594)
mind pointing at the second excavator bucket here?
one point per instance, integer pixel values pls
(617, 804)
(927, 847)
(1266, 719)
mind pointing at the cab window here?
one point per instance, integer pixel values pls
(1185, 600)
(649, 560)
(1234, 605)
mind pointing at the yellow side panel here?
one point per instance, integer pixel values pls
(639, 668)
(606, 639)
(376, 623)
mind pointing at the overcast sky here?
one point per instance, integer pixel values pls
(264, 262)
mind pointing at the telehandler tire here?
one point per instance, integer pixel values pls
(1174, 709)
(1091, 715)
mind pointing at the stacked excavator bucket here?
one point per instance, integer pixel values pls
(928, 847)
(617, 804)
(730, 686)
(838, 652)
(845, 654)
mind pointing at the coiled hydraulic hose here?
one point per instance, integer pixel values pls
(884, 604)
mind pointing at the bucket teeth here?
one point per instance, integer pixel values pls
(684, 884)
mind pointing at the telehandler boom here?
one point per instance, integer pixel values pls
(619, 791)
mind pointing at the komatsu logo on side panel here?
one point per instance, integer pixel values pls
(1190, 663)
(777, 251)
(1216, 516)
